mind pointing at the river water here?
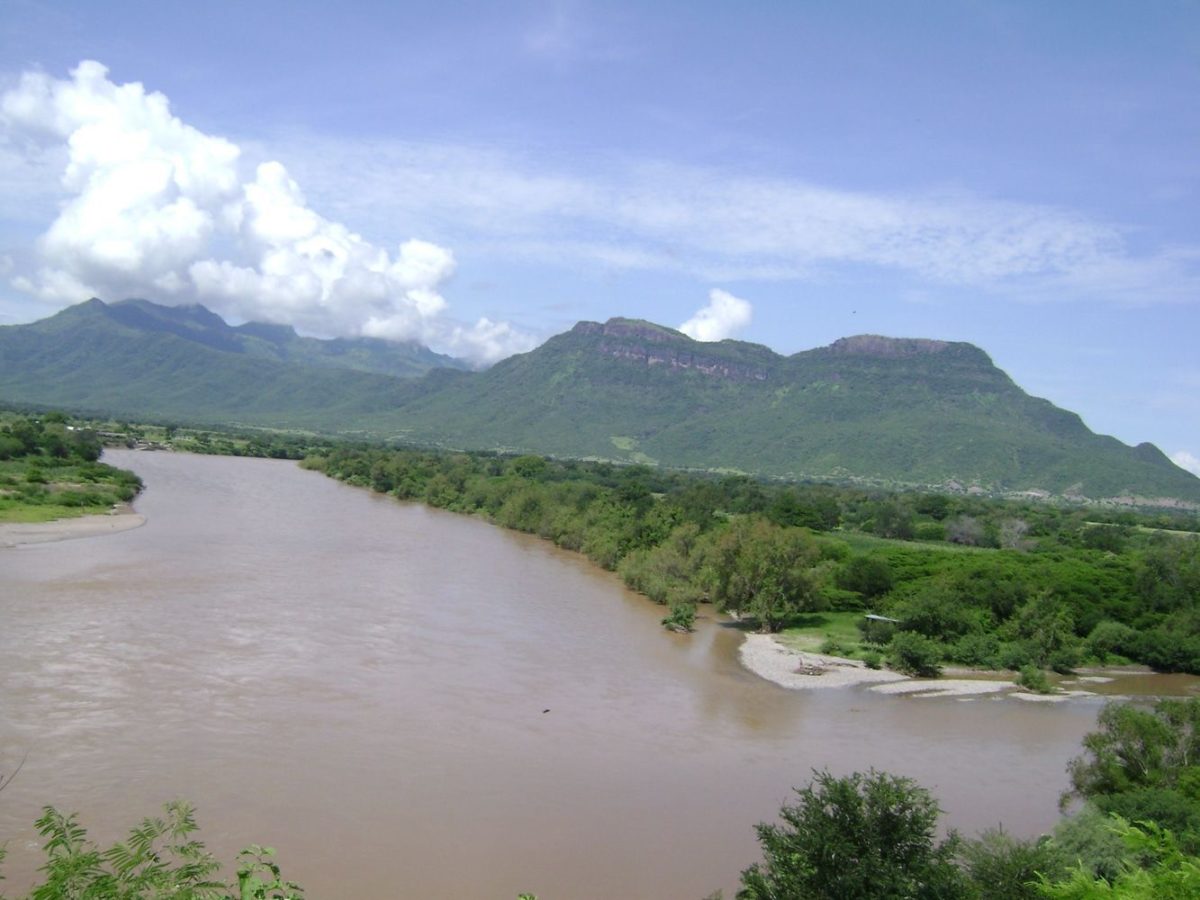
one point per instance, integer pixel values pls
(411, 703)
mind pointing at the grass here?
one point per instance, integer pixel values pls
(860, 541)
(811, 632)
(26, 513)
(42, 490)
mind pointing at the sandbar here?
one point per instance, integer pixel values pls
(16, 534)
(766, 657)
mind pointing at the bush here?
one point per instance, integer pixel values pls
(870, 835)
(1001, 867)
(915, 654)
(877, 631)
(833, 647)
(978, 649)
(1087, 841)
(872, 659)
(681, 618)
(1034, 679)
(1110, 638)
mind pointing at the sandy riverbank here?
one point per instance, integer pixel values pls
(801, 670)
(15, 534)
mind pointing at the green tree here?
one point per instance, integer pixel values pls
(1139, 748)
(862, 836)
(763, 571)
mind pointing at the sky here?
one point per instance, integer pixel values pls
(479, 176)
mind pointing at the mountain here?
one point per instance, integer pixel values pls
(136, 358)
(281, 343)
(901, 410)
(896, 410)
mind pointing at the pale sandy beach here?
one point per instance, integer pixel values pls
(763, 655)
(766, 657)
(15, 534)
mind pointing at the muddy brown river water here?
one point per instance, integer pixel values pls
(411, 703)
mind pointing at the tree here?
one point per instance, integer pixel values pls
(763, 571)
(862, 836)
(965, 530)
(1139, 748)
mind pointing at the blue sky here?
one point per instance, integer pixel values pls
(479, 176)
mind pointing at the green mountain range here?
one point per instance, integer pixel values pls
(136, 358)
(894, 410)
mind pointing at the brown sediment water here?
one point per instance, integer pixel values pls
(411, 703)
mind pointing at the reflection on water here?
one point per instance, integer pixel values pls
(411, 703)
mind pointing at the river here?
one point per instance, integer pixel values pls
(411, 703)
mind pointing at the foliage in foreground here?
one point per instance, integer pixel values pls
(160, 859)
(874, 835)
(870, 835)
(1167, 873)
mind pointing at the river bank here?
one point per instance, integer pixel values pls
(767, 658)
(120, 518)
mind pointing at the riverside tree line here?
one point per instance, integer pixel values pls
(969, 580)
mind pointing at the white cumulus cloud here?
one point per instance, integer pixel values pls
(158, 209)
(1187, 461)
(723, 317)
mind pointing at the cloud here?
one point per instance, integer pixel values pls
(721, 224)
(157, 208)
(723, 317)
(1187, 461)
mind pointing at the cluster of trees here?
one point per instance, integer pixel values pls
(1052, 597)
(50, 437)
(50, 468)
(875, 835)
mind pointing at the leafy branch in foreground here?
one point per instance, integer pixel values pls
(159, 859)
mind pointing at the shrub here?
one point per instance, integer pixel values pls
(833, 647)
(915, 654)
(1110, 638)
(1034, 679)
(978, 649)
(870, 835)
(1001, 867)
(681, 618)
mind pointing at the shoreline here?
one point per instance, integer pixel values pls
(20, 534)
(798, 670)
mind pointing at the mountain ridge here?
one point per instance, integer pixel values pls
(896, 410)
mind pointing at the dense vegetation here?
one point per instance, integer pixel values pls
(50, 469)
(186, 364)
(967, 580)
(875, 835)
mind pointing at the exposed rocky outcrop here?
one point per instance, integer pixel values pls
(653, 345)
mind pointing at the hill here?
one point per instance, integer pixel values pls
(892, 410)
(900, 410)
(136, 358)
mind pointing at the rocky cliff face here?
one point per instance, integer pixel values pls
(653, 345)
(886, 347)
